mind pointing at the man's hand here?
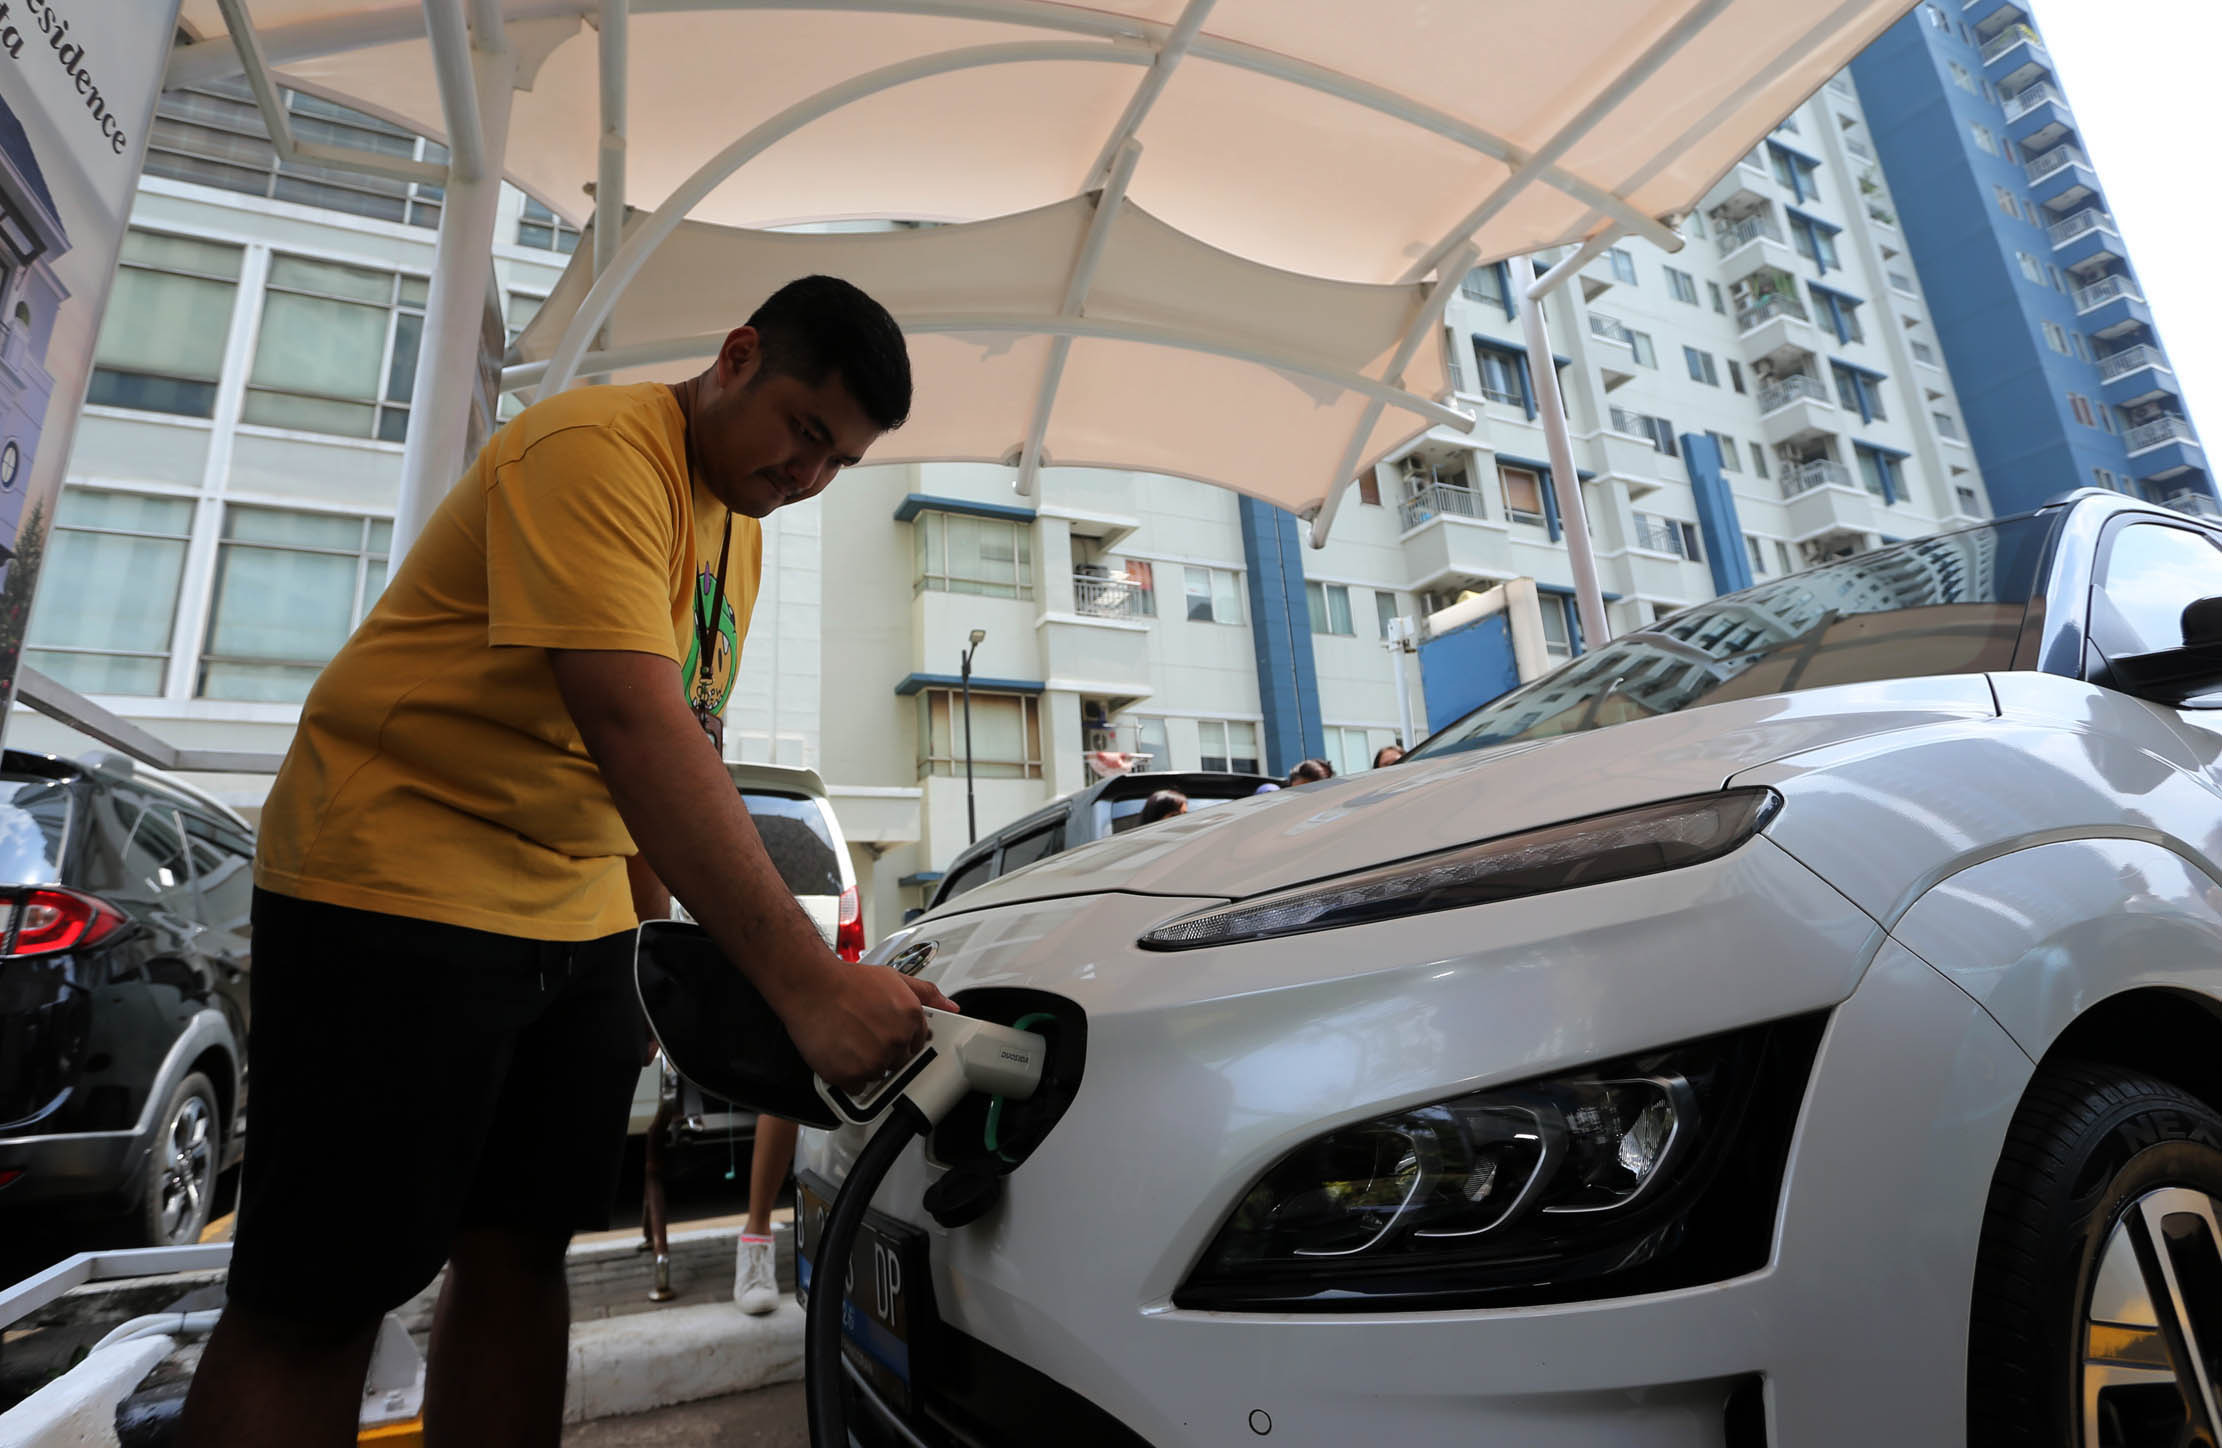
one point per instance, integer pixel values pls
(869, 1023)
(852, 1024)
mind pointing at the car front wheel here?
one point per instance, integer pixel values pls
(181, 1169)
(2098, 1289)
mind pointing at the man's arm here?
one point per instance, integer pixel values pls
(694, 832)
(651, 900)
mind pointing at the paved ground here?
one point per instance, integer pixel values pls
(767, 1418)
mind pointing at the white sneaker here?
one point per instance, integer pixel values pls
(755, 1277)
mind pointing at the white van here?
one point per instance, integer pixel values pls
(796, 821)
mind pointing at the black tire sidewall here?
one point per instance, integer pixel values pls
(149, 1223)
(2160, 1136)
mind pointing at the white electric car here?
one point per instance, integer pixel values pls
(1798, 1023)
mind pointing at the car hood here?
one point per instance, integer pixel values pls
(1285, 838)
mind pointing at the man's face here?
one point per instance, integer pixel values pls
(764, 440)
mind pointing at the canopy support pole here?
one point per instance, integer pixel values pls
(601, 298)
(1076, 297)
(1424, 319)
(610, 37)
(649, 354)
(447, 363)
(1611, 98)
(1589, 598)
(247, 45)
(1145, 95)
(1582, 256)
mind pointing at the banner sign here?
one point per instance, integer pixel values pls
(78, 84)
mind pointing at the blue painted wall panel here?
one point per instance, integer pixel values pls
(1281, 636)
(1466, 668)
(1717, 522)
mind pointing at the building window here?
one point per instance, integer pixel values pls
(1759, 459)
(2081, 407)
(541, 228)
(991, 557)
(1349, 749)
(1384, 609)
(1816, 241)
(2031, 267)
(337, 352)
(1963, 78)
(1151, 744)
(1502, 373)
(1966, 497)
(1720, 303)
(1558, 639)
(1006, 734)
(2056, 337)
(1839, 312)
(1730, 461)
(1623, 265)
(1523, 493)
(1922, 352)
(162, 341)
(1681, 286)
(1667, 535)
(1657, 430)
(1701, 367)
(1880, 472)
(1229, 747)
(1946, 424)
(1984, 140)
(2082, 352)
(1369, 489)
(214, 136)
(109, 589)
(1859, 392)
(1330, 608)
(290, 588)
(1793, 171)
(1757, 553)
(1214, 595)
(2006, 202)
(1735, 375)
(1640, 344)
(2102, 477)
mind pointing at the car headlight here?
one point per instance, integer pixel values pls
(1528, 1192)
(1618, 846)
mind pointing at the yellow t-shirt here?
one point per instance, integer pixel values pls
(436, 772)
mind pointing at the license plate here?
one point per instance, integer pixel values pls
(886, 1307)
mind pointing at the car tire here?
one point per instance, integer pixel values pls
(2102, 1237)
(178, 1186)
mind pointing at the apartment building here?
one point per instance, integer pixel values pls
(2040, 314)
(1771, 395)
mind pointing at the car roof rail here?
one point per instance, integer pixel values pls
(110, 765)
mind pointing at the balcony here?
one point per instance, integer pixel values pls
(2087, 241)
(2062, 179)
(1855, 146)
(1820, 473)
(2158, 433)
(1785, 390)
(2099, 293)
(2083, 223)
(2022, 102)
(2195, 501)
(1610, 329)
(1438, 500)
(1111, 596)
(2139, 377)
(1731, 239)
(2113, 310)
(2054, 160)
(2015, 56)
(1767, 308)
(2130, 359)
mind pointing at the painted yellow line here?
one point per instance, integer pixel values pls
(408, 1434)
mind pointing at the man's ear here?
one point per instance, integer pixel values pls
(741, 357)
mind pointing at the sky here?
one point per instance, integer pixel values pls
(2142, 78)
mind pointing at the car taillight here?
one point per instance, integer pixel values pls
(848, 935)
(49, 920)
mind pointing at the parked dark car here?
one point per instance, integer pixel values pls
(123, 997)
(1095, 813)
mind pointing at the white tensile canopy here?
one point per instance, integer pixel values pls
(1203, 237)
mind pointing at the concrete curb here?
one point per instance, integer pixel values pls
(78, 1409)
(640, 1361)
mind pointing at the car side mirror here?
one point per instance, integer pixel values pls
(2173, 676)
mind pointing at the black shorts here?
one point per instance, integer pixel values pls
(408, 1079)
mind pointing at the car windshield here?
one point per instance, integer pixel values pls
(34, 823)
(1951, 604)
(793, 828)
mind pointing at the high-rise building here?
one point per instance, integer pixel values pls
(1767, 397)
(2061, 371)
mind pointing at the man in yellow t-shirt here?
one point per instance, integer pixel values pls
(444, 1035)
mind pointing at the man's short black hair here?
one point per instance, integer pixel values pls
(817, 326)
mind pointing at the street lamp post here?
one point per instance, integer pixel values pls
(971, 811)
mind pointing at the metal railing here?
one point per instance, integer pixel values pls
(2059, 158)
(2192, 501)
(2028, 98)
(2160, 430)
(2063, 232)
(1115, 596)
(1611, 329)
(1805, 477)
(1747, 231)
(1775, 304)
(1659, 535)
(2007, 39)
(1436, 499)
(2129, 359)
(1857, 147)
(1798, 386)
(2105, 290)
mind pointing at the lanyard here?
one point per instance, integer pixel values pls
(706, 631)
